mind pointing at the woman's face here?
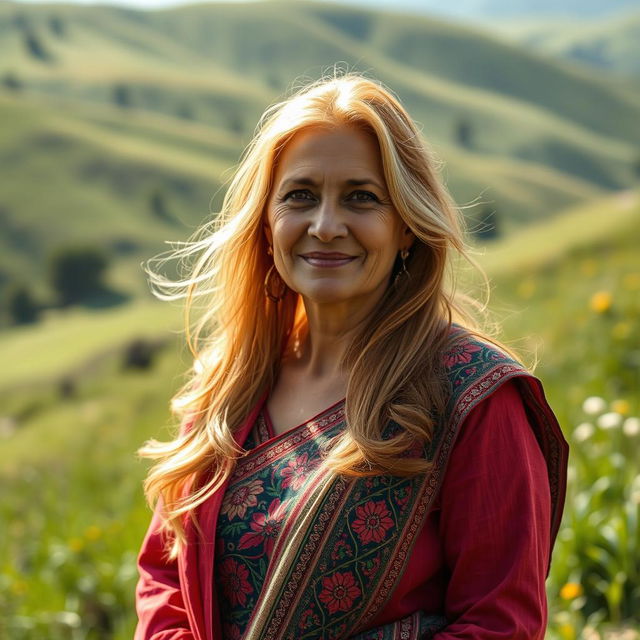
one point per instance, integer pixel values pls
(334, 231)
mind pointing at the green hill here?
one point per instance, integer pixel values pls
(124, 125)
(608, 45)
(101, 168)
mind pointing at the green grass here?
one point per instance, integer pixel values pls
(66, 340)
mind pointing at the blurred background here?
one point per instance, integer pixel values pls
(119, 127)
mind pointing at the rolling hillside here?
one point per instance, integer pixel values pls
(609, 45)
(130, 122)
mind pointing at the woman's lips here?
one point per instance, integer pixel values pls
(327, 259)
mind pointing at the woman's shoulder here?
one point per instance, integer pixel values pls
(474, 366)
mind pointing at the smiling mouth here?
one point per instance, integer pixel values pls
(328, 260)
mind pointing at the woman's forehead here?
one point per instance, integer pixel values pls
(343, 150)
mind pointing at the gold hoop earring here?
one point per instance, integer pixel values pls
(268, 285)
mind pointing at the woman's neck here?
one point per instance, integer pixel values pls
(318, 350)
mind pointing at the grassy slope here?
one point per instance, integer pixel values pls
(611, 44)
(522, 105)
(99, 166)
(217, 67)
(487, 63)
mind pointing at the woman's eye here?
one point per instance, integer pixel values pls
(369, 196)
(303, 192)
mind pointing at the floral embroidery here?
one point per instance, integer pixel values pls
(339, 591)
(460, 353)
(233, 577)
(265, 527)
(309, 619)
(341, 550)
(295, 473)
(402, 496)
(237, 501)
(370, 566)
(373, 522)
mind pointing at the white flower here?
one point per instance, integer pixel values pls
(593, 405)
(609, 420)
(583, 432)
(8, 426)
(618, 460)
(631, 426)
(634, 493)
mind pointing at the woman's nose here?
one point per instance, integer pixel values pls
(327, 222)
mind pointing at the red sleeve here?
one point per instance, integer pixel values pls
(495, 525)
(159, 603)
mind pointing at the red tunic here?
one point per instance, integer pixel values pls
(481, 558)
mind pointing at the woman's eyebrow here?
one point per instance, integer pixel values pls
(356, 183)
(311, 183)
(302, 180)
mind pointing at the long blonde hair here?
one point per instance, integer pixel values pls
(394, 364)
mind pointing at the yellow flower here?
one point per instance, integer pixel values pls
(76, 544)
(601, 301)
(621, 406)
(19, 587)
(93, 532)
(570, 591)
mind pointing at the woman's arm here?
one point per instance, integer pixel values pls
(159, 603)
(495, 525)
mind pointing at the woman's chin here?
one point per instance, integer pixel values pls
(325, 295)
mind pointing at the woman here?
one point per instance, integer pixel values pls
(352, 463)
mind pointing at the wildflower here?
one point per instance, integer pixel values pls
(609, 420)
(19, 587)
(590, 633)
(571, 590)
(618, 460)
(93, 532)
(593, 405)
(620, 406)
(583, 431)
(634, 493)
(631, 426)
(76, 544)
(601, 301)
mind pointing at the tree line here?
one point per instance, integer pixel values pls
(75, 274)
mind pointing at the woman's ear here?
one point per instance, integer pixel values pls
(267, 232)
(408, 238)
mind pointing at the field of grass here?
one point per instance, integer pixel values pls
(72, 503)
